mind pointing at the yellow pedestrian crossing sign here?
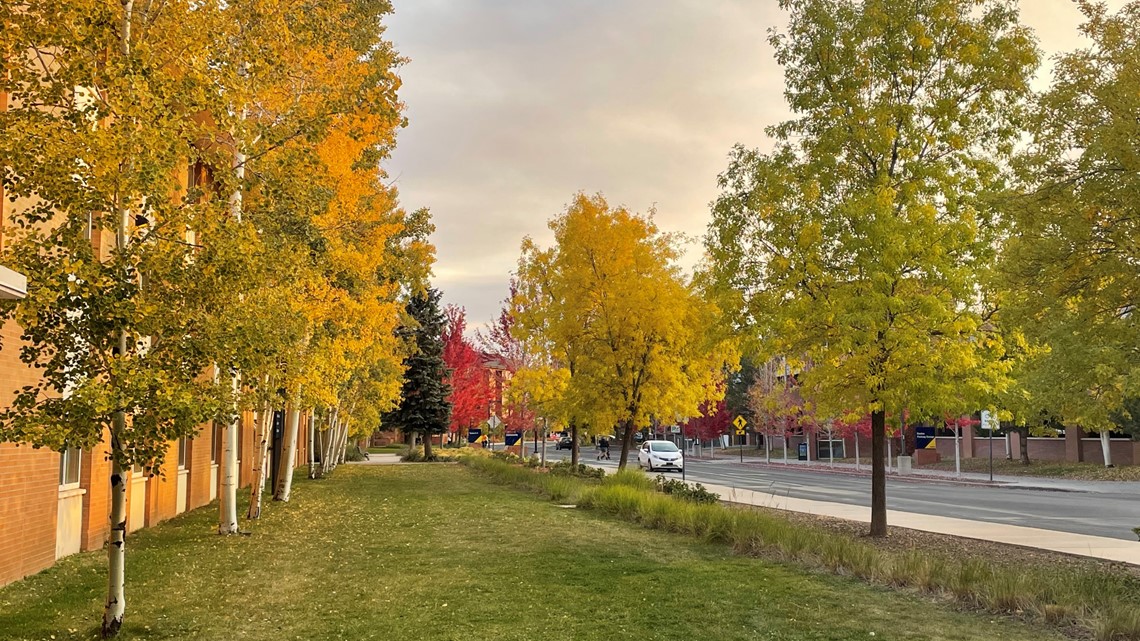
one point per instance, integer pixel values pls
(740, 423)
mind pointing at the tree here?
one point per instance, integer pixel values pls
(608, 301)
(711, 421)
(98, 128)
(736, 393)
(1072, 262)
(859, 242)
(501, 341)
(423, 407)
(470, 392)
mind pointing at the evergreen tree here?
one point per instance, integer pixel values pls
(423, 407)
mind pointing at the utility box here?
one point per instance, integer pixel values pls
(803, 451)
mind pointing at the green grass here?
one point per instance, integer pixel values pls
(419, 552)
(1091, 598)
(1089, 471)
(394, 448)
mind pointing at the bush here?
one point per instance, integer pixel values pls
(581, 470)
(689, 492)
(354, 454)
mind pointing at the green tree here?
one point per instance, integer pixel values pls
(858, 243)
(423, 408)
(1072, 259)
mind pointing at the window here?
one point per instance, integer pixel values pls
(69, 467)
(183, 452)
(216, 451)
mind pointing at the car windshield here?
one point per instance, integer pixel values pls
(663, 446)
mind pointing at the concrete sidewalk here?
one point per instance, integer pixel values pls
(1065, 542)
(919, 474)
(378, 459)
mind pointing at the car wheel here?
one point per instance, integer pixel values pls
(649, 465)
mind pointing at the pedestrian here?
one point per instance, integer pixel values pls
(603, 448)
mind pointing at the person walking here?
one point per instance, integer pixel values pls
(603, 448)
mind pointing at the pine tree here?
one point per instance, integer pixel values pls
(423, 407)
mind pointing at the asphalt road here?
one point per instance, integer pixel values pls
(1106, 509)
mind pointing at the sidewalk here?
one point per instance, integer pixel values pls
(1030, 482)
(1064, 542)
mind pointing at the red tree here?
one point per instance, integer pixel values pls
(470, 391)
(712, 422)
(500, 343)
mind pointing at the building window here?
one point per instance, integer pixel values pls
(183, 452)
(69, 467)
(216, 451)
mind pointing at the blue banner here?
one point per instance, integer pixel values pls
(924, 436)
(473, 434)
(512, 438)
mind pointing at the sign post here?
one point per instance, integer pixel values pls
(493, 424)
(988, 424)
(740, 423)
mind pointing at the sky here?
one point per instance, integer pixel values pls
(514, 106)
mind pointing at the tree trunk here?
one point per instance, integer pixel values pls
(1106, 447)
(1024, 434)
(116, 603)
(427, 447)
(626, 442)
(227, 502)
(314, 472)
(257, 484)
(878, 474)
(574, 443)
(288, 455)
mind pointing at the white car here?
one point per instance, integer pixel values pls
(660, 455)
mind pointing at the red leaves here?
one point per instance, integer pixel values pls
(471, 392)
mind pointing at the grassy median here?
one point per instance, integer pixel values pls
(439, 552)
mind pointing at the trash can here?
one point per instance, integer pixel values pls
(803, 451)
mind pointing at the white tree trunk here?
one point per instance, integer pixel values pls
(328, 441)
(958, 451)
(257, 484)
(227, 501)
(858, 465)
(313, 444)
(288, 455)
(1106, 447)
(116, 603)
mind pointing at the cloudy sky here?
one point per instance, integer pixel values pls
(516, 105)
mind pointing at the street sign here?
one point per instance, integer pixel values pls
(676, 429)
(739, 432)
(740, 423)
(989, 421)
(494, 422)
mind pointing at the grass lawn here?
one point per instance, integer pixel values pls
(1091, 471)
(437, 552)
(394, 448)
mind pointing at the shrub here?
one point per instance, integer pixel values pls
(353, 454)
(581, 470)
(694, 492)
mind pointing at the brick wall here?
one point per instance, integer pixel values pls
(29, 494)
(199, 466)
(95, 477)
(162, 489)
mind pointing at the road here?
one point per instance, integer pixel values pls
(1109, 510)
